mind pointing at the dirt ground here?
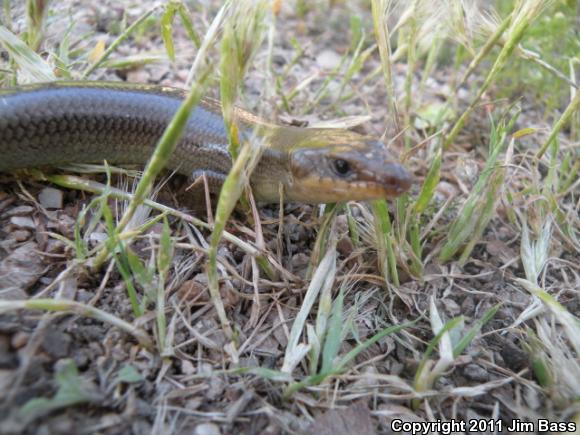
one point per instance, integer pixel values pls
(72, 373)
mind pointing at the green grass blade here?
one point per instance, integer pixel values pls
(460, 346)
(105, 55)
(334, 334)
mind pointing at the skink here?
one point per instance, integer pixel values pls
(89, 122)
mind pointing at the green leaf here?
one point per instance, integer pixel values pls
(431, 181)
(433, 115)
(129, 375)
(474, 330)
(334, 334)
(141, 273)
(378, 336)
(71, 391)
(272, 375)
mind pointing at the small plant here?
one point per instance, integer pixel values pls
(451, 341)
(325, 337)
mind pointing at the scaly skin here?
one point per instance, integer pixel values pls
(88, 122)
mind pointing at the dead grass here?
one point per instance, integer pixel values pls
(456, 301)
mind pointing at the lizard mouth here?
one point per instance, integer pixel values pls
(327, 189)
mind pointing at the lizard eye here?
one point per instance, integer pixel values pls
(342, 167)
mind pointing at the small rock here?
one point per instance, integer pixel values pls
(300, 263)
(515, 359)
(20, 235)
(49, 197)
(328, 59)
(355, 419)
(22, 268)
(84, 296)
(341, 223)
(446, 190)
(97, 237)
(182, 75)
(138, 76)
(451, 307)
(54, 246)
(187, 368)
(251, 361)
(157, 73)
(23, 222)
(193, 403)
(81, 358)
(5, 202)
(21, 210)
(468, 306)
(207, 429)
(193, 291)
(216, 387)
(476, 373)
(500, 250)
(56, 343)
(345, 246)
(20, 339)
(467, 170)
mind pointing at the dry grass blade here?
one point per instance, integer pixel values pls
(73, 182)
(36, 12)
(321, 282)
(237, 50)
(79, 309)
(534, 254)
(32, 67)
(566, 319)
(522, 17)
(308, 347)
(380, 11)
(479, 207)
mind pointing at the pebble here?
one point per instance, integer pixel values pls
(4, 203)
(345, 246)
(97, 237)
(19, 339)
(451, 307)
(23, 222)
(207, 429)
(138, 76)
(476, 373)
(19, 211)
(22, 268)
(57, 343)
(187, 368)
(192, 290)
(49, 197)
(300, 263)
(20, 235)
(328, 59)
